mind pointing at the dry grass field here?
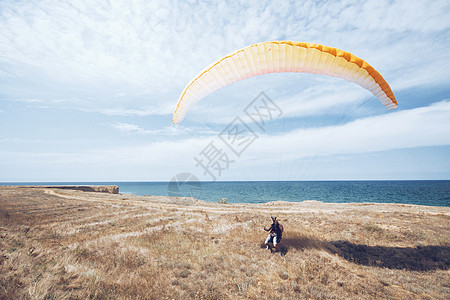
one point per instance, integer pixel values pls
(64, 244)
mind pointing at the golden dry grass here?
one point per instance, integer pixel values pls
(75, 245)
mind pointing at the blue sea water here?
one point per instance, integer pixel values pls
(426, 192)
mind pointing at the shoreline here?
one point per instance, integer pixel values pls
(114, 189)
(432, 193)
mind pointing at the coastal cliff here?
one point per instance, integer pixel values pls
(110, 189)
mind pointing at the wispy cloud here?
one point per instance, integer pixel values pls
(135, 129)
(419, 127)
(145, 111)
(315, 97)
(166, 131)
(125, 127)
(29, 100)
(130, 45)
(128, 62)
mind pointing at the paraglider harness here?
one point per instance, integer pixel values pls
(275, 230)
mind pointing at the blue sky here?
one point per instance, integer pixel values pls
(88, 88)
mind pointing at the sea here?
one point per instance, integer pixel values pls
(422, 192)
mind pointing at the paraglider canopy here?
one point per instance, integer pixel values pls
(279, 57)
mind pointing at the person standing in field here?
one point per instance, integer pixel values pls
(275, 234)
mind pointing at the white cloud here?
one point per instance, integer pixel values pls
(419, 127)
(29, 100)
(299, 96)
(322, 100)
(145, 111)
(128, 127)
(159, 45)
(166, 131)
(132, 128)
(133, 58)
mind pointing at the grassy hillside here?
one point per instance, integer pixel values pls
(72, 244)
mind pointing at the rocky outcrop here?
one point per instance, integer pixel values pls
(110, 189)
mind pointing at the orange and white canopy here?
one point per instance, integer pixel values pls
(278, 57)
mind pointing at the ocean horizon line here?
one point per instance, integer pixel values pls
(422, 192)
(218, 181)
